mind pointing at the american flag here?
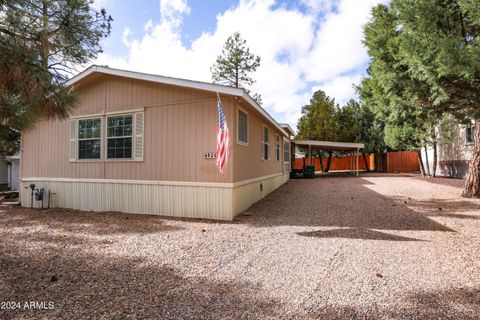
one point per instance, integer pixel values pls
(223, 138)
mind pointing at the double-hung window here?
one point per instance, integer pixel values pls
(89, 138)
(277, 148)
(242, 125)
(107, 137)
(265, 143)
(286, 150)
(119, 137)
(469, 134)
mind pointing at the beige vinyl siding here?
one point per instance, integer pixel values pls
(179, 127)
(249, 158)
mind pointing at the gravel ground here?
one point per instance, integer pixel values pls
(339, 247)
(452, 182)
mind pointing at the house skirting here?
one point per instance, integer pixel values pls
(220, 201)
(454, 168)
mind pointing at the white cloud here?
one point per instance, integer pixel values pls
(319, 5)
(300, 51)
(338, 45)
(101, 4)
(148, 25)
(341, 87)
(126, 33)
(172, 10)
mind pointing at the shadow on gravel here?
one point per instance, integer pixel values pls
(454, 303)
(458, 303)
(337, 202)
(447, 208)
(108, 223)
(88, 286)
(356, 233)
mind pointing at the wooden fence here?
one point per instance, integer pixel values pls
(337, 163)
(405, 162)
(401, 162)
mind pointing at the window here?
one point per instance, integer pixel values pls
(469, 134)
(89, 138)
(119, 137)
(277, 148)
(242, 135)
(286, 150)
(266, 143)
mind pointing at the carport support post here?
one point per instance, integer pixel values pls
(350, 156)
(356, 159)
(310, 153)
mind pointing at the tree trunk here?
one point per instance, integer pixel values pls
(367, 167)
(427, 169)
(45, 43)
(434, 158)
(320, 159)
(330, 153)
(420, 162)
(472, 185)
(236, 76)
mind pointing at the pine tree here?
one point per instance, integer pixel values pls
(425, 55)
(319, 121)
(41, 44)
(234, 66)
(397, 98)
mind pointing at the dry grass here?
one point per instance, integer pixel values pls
(374, 247)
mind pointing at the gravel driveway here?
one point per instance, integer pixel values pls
(378, 246)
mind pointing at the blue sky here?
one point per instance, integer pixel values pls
(305, 45)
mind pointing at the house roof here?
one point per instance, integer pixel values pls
(330, 145)
(287, 127)
(205, 86)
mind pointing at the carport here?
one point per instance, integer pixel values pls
(350, 147)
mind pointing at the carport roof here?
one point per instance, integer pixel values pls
(330, 145)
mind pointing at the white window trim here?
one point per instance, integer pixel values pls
(278, 147)
(286, 140)
(109, 113)
(265, 143)
(238, 127)
(104, 135)
(78, 119)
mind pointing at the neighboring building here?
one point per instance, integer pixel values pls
(13, 163)
(143, 143)
(454, 150)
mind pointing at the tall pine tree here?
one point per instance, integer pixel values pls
(234, 66)
(41, 43)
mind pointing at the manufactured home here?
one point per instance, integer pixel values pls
(142, 143)
(454, 149)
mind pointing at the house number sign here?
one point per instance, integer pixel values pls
(210, 155)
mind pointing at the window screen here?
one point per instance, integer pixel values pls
(266, 145)
(89, 134)
(277, 148)
(242, 126)
(119, 137)
(286, 150)
(469, 134)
